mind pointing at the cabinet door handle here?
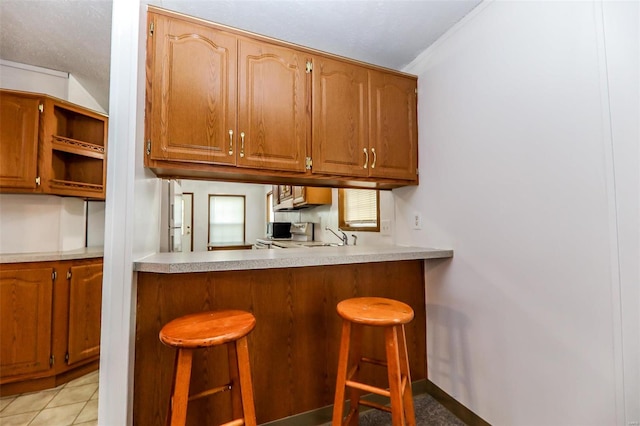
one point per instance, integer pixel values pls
(241, 144)
(230, 142)
(375, 157)
(366, 158)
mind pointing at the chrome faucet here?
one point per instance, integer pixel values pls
(344, 238)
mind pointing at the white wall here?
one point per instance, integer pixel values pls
(17, 76)
(40, 223)
(530, 176)
(37, 223)
(255, 206)
(131, 214)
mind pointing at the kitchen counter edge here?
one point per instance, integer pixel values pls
(53, 256)
(234, 260)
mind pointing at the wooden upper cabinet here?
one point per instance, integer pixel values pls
(191, 93)
(51, 146)
(340, 118)
(18, 140)
(25, 320)
(393, 136)
(225, 104)
(85, 301)
(273, 120)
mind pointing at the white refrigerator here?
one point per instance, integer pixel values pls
(171, 216)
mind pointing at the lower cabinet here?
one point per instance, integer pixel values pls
(26, 297)
(49, 323)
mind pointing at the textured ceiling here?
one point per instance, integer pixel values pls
(74, 35)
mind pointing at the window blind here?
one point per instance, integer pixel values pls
(226, 219)
(360, 207)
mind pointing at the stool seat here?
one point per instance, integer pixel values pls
(375, 311)
(207, 329)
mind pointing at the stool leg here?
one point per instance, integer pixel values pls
(343, 360)
(180, 390)
(393, 371)
(354, 364)
(234, 379)
(246, 387)
(407, 396)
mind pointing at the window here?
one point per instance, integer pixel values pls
(359, 209)
(226, 218)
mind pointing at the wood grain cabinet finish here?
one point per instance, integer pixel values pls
(19, 117)
(191, 99)
(365, 122)
(25, 320)
(225, 104)
(274, 100)
(340, 118)
(49, 323)
(393, 136)
(216, 98)
(85, 303)
(308, 196)
(51, 146)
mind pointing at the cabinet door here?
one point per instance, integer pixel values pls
(286, 192)
(273, 107)
(85, 302)
(191, 92)
(340, 118)
(394, 127)
(25, 320)
(18, 141)
(299, 195)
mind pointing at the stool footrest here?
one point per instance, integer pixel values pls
(212, 391)
(368, 388)
(237, 422)
(374, 361)
(375, 405)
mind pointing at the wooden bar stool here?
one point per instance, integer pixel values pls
(376, 312)
(203, 330)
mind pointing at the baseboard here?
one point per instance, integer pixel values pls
(323, 415)
(451, 404)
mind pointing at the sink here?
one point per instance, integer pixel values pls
(319, 244)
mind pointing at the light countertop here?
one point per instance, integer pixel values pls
(232, 260)
(83, 253)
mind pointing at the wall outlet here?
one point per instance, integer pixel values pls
(416, 220)
(385, 227)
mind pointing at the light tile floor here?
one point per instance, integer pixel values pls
(74, 403)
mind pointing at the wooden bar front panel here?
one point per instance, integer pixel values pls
(294, 347)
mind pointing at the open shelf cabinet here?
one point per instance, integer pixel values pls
(71, 142)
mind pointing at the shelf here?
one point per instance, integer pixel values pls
(78, 126)
(76, 185)
(73, 146)
(78, 168)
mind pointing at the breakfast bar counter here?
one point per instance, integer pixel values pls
(233, 260)
(293, 294)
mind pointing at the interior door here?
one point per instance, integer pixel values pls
(187, 221)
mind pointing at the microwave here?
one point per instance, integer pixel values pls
(278, 230)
